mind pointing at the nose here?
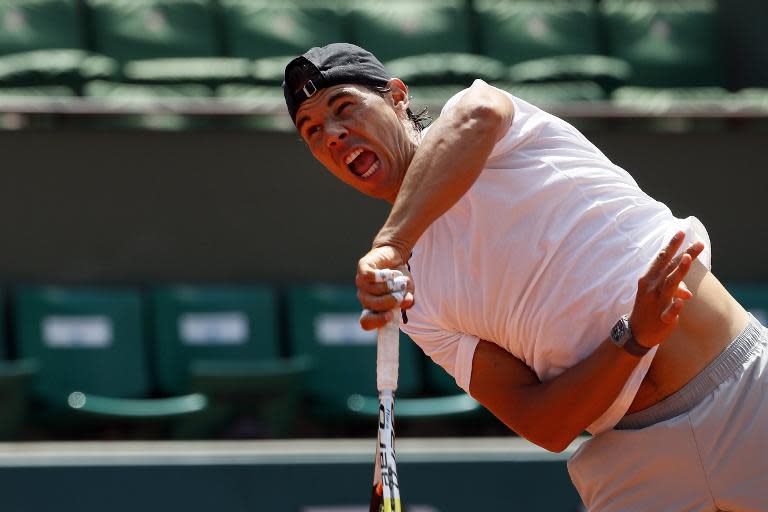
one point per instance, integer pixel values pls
(334, 134)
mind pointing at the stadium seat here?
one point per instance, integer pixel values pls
(423, 43)
(446, 69)
(514, 31)
(555, 93)
(149, 29)
(610, 73)
(89, 345)
(42, 43)
(16, 379)
(551, 41)
(260, 98)
(400, 28)
(256, 29)
(323, 324)
(143, 98)
(223, 342)
(163, 41)
(661, 100)
(668, 44)
(753, 296)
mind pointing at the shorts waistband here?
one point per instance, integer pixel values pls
(729, 362)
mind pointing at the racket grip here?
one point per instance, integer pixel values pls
(388, 353)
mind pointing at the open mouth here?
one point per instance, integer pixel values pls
(363, 163)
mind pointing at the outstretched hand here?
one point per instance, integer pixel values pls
(375, 296)
(661, 293)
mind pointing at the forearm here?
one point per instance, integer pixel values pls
(550, 414)
(447, 163)
(581, 394)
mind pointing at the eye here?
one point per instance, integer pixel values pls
(312, 130)
(342, 107)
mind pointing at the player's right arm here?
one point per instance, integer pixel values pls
(551, 414)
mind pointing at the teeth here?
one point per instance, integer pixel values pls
(372, 169)
(353, 155)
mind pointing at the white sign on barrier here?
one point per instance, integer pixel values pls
(342, 329)
(77, 331)
(220, 328)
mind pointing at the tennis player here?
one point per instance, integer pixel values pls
(550, 286)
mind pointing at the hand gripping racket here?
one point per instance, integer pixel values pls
(386, 486)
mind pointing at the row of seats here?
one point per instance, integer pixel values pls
(198, 351)
(208, 353)
(646, 43)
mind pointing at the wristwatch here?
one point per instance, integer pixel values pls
(622, 337)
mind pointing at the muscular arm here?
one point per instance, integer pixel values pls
(447, 163)
(551, 414)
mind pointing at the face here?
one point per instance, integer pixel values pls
(362, 137)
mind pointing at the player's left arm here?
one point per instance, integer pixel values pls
(446, 164)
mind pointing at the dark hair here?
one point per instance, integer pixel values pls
(420, 120)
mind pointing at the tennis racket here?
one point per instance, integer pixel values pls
(385, 496)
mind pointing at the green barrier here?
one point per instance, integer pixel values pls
(326, 475)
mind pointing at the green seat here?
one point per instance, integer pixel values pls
(256, 29)
(153, 39)
(610, 73)
(446, 68)
(41, 43)
(90, 343)
(323, 325)
(203, 70)
(555, 93)
(147, 29)
(34, 24)
(223, 341)
(668, 44)
(152, 104)
(266, 101)
(433, 95)
(514, 31)
(753, 296)
(659, 101)
(752, 97)
(399, 28)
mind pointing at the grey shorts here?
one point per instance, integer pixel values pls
(705, 448)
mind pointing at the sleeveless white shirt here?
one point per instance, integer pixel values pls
(541, 256)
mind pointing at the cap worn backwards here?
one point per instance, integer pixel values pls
(326, 66)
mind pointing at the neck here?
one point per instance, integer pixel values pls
(412, 143)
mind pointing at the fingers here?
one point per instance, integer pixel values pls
(672, 312)
(693, 250)
(678, 269)
(665, 256)
(377, 302)
(370, 320)
(682, 292)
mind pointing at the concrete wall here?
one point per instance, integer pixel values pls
(145, 207)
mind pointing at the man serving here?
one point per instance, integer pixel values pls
(550, 286)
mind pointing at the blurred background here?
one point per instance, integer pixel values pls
(178, 325)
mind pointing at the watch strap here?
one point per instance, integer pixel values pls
(634, 348)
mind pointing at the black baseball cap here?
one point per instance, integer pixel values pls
(326, 66)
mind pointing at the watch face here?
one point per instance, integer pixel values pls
(618, 331)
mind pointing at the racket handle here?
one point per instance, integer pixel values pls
(388, 353)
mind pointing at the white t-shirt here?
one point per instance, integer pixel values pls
(541, 256)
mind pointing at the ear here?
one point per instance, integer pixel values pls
(399, 92)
